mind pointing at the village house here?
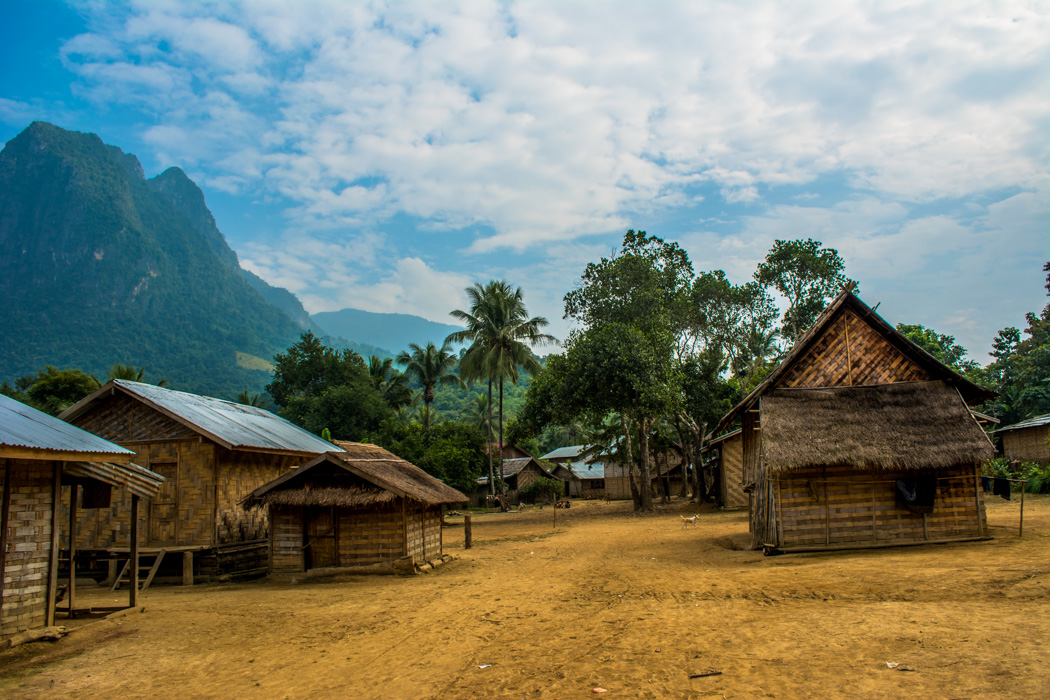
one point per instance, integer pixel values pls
(516, 474)
(728, 451)
(859, 438)
(1027, 441)
(40, 455)
(212, 453)
(362, 506)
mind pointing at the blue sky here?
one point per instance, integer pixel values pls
(384, 156)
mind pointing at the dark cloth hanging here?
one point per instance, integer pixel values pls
(986, 483)
(916, 495)
(1001, 488)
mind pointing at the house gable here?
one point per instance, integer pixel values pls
(122, 418)
(850, 352)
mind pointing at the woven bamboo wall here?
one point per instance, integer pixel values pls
(286, 539)
(732, 474)
(1027, 444)
(370, 536)
(181, 514)
(870, 359)
(431, 532)
(28, 546)
(839, 505)
(238, 474)
(124, 419)
(414, 531)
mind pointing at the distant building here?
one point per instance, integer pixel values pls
(1027, 441)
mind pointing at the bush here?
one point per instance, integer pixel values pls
(1038, 477)
(548, 490)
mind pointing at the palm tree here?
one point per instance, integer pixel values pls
(249, 399)
(500, 332)
(429, 366)
(393, 385)
(129, 373)
(479, 413)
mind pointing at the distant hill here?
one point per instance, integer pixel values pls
(393, 331)
(100, 265)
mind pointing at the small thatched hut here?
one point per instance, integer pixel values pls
(40, 454)
(1027, 441)
(859, 438)
(517, 474)
(362, 506)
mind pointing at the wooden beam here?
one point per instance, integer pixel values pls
(71, 593)
(5, 512)
(17, 452)
(133, 599)
(52, 566)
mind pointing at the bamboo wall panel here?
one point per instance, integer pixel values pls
(1027, 444)
(190, 522)
(431, 532)
(237, 474)
(870, 359)
(286, 539)
(732, 474)
(414, 531)
(28, 562)
(369, 536)
(124, 419)
(841, 506)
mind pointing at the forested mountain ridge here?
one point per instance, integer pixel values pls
(99, 265)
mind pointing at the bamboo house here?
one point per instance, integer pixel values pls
(859, 438)
(361, 506)
(1027, 441)
(40, 455)
(212, 454)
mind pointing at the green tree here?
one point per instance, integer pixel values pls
(250, 399)
(808, 276)
(393, 385)
(451, 452)
(941, 346)
(129, 373)
(501, 336)
(318, 387)
(429, 366)
(53, 390)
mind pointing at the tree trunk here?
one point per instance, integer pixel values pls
(699, 485)
(627, 461)
(666, 477)
(492, 476)
(502, 485)
(646, 487)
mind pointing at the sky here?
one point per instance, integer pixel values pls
(387, 155)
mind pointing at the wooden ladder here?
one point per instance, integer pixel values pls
(125, 574)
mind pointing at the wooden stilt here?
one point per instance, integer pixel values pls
(71, 593)
(467, 535)
(52, 565)
(133, 599)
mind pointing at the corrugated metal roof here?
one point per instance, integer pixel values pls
(565, 452)
(1030, 423)
(138, 480)
(23, 426)
(588, 470)
(232, 424)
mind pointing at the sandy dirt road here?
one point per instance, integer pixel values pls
(634, 605)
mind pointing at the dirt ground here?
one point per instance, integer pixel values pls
(634, 605)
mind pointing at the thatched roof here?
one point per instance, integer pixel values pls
(971, 392)
(381, 477)
(907, 425)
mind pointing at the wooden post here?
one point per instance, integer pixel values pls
(467, 537)
(404, 528)
(1020, 525)
(52, 565)
(977, 499)
(133, 599)
(187, 568)
(874, 525)
(71, 594)
(849, 359)
(5, 512)
(827, 509)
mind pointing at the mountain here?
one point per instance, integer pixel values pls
(394, 331)
(100, 265)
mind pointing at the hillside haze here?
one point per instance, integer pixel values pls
(393, 331)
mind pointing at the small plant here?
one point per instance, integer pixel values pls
(1000, 467)
(1037, 476)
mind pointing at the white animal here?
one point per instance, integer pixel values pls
(688, 521)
